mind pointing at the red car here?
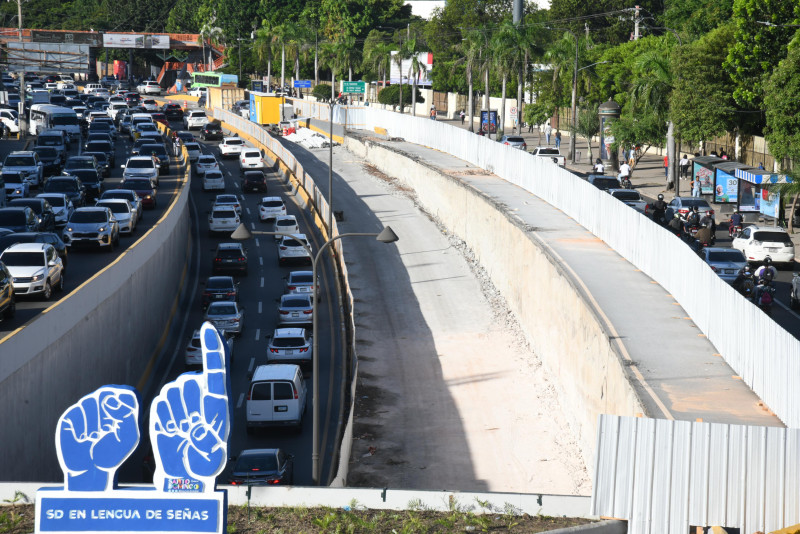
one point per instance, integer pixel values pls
(143, 188)
(160, 117)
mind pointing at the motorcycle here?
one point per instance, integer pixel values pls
(734, 231)
(746, 286)
(794, 294)
(626, 182)
(766, 296)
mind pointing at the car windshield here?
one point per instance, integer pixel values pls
(156, 150)
(226, 199)
(50, 140)
(772, 237)
(100, 156)
(206, 160)
(229, 253)
(116, 207)
(192, 146)
(691, 202)
(46, 152)
(214, 175)
(213, 126)
(549, 151)
(99, 146)
(272, 204)
(12, 218)
(93, 216)
(75, 163)
(23, 259)
(287, 342)
(35, 205)
(86, 175)
(223, 214)
(301, 278)
(62, 186)
(252, 154)
(57, 201)
(219, 283)
(606, 182)
(234, 142)
(140, 164)
(295, 303)
(19, 161)
(64, 120)
(98, 125)
(256, 463)
(12, 177)
(290, 242)
(627, 195)
(515, 139)
(136, 185)
(286, 222)
(222, 308)
(726, 255)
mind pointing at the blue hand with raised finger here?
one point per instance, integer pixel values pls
(96, 435)
(190, 422)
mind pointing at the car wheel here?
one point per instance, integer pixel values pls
(48, 291)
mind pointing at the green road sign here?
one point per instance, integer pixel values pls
(353, 87)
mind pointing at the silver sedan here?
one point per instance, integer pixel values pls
(726, 262)
(226, 316)
(295, 309)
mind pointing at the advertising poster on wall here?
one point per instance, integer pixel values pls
(133, 40)
(706, 178)
(606, 138)
(749, 196)
(726, 190)
(770, 203)
(489, 121)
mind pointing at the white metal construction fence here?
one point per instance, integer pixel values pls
(665, 476)
(765, 355)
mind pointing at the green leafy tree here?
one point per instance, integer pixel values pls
(322, 92)
(757, 48)
(377, 56)
(614, 28)
(508, 57)
(538, 113)
(695, 18)
(587, 126)
(391, 95)
(702, 104)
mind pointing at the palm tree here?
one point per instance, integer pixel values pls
(212, 34)
(265, 48)
(415, 67)
(398, 58)
(506, 58)
(470, 48)
(377, 54)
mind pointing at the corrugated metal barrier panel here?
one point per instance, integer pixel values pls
(664, 476)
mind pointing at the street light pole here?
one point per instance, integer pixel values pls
(387, 235)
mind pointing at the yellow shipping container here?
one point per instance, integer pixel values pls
(265, 109)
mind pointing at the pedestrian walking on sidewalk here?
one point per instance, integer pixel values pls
(684, 165)
(558, 138)
(462, 115)
(666, 166)
(696, 188)
(548, 130)
(433, 113)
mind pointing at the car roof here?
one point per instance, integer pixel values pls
(218, 303)
(298, 236)
(141, 158)
(114, 201)
(22, 153)
(91, 208)
(296, 296)
(270, 199)
(226, 139)
(289, 332)
(229, 246)
(226, 278)
(756, 228)
(275, 371)
(27, 247)
(258, 452)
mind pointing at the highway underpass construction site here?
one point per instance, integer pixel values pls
(504, 325)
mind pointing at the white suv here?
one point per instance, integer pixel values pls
(213, 180)
(291, 249)
(271, 208)
(231, 147)
(149, 88)
(290, 345)
(760, 242)
(141, 167)
(27, 164)
(195, 119)
(35, 269)
(250, 159)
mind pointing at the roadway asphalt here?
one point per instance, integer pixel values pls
(83, 264)
(258, 293)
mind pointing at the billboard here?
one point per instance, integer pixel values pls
(727, 188)
(47, 57)
(424, 77)
(134, 40)
(44, 36)
(706, 177)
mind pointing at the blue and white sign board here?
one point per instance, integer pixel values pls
(302, 84)
(189, 427)
(756, 194)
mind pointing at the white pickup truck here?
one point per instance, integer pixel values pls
(630, 197)
(550, 152)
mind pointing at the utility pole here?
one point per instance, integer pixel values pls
(240, 59)
(636, 23)
(23, 121)
(586, 29)
(517, 20)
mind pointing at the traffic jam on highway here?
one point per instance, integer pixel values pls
(97, 173)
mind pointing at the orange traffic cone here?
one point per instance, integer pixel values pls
(185, 105)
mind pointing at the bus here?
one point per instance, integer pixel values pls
(47, 116)
(212, 79)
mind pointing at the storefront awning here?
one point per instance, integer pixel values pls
(760, 176)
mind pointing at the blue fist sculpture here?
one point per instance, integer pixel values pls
(96, 435)
(190, 423)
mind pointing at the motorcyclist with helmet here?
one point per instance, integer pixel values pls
(659, 209)
(743, 280)
(766, 268)
(735, 223)
(675, 225)
(704, 235)
(692, 218)
(765, 285)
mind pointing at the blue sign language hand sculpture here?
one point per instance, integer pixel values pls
(96, 435)
(190, 423)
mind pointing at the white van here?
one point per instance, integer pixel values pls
(277, 397)
(46, 116)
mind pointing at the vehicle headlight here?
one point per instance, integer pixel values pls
(69, 229)
(148, 197)
(37, 277)
(101, 229)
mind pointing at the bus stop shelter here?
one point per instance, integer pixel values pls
(756, 195)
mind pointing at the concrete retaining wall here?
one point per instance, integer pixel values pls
(560, 323)
(104, 332)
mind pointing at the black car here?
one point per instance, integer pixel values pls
(102, 162)
(68, 185)
(36, 237)
(92, 182)
(211, 131)
(19, 219)
(262, 467)
(102, 146)
(230, 257)
(219, 288)
(41, 207)
(254, 181)
(50, 158)
(603, 182)
(8, 305)
(160, 152)
(174, 112)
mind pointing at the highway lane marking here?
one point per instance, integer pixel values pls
(258, 334)
(261, 261)
(262, 281)
(252, 226)
(247, 210)
(240, 401)
(252, 364)
(258, 243)
(259, 306)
